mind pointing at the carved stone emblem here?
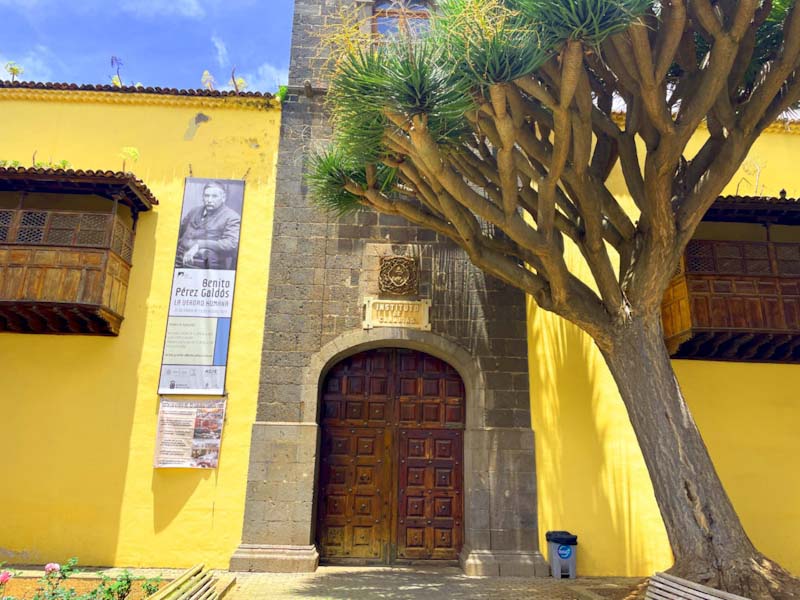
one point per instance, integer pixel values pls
(399, 275)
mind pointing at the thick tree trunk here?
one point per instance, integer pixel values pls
(707, 538)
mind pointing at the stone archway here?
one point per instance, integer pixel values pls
(500, 505)
(500, 529)
(356, 341)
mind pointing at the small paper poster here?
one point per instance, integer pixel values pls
(189, 434)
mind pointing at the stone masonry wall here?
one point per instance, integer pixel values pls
(321, 269)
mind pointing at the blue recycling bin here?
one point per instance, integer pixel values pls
(562, 550)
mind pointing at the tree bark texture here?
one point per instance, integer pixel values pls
(706, 535)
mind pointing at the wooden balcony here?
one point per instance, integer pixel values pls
(63, 271)
(735, 301)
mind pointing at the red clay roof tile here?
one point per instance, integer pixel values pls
(129, 89)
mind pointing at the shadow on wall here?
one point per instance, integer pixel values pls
(172, 490)
(591, 475)
(748, 414)
(69, 430)
(458, 293)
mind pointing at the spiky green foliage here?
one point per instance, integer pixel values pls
(357, 113)
(328, 172)
(406, 77)
(591, 21)
(331, 169)
(488, 41)
(418, 83)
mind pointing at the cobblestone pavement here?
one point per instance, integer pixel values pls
(367, 583)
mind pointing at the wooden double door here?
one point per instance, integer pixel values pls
(391, 467)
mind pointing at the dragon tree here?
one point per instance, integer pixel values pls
(501, 126)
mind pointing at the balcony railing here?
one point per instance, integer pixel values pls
(735, 301)
(63, 271)
(66, 228)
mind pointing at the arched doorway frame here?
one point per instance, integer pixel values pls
(354, 342)
(467, 366)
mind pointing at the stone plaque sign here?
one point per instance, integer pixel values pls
(398, 275)
(397, 313)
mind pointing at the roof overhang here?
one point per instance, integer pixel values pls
(755, 209)
(115, 186)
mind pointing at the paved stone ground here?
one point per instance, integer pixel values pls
(384, 583)
(368, 583)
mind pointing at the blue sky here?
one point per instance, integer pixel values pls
(167, 43)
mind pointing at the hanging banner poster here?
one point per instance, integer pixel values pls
(199, 323)
(189, 434)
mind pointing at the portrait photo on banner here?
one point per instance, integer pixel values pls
(210, 224)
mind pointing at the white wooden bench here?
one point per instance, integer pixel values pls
(196, 584)
(668, 587)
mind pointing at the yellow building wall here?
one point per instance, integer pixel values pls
(592, 479)
(80, 412)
